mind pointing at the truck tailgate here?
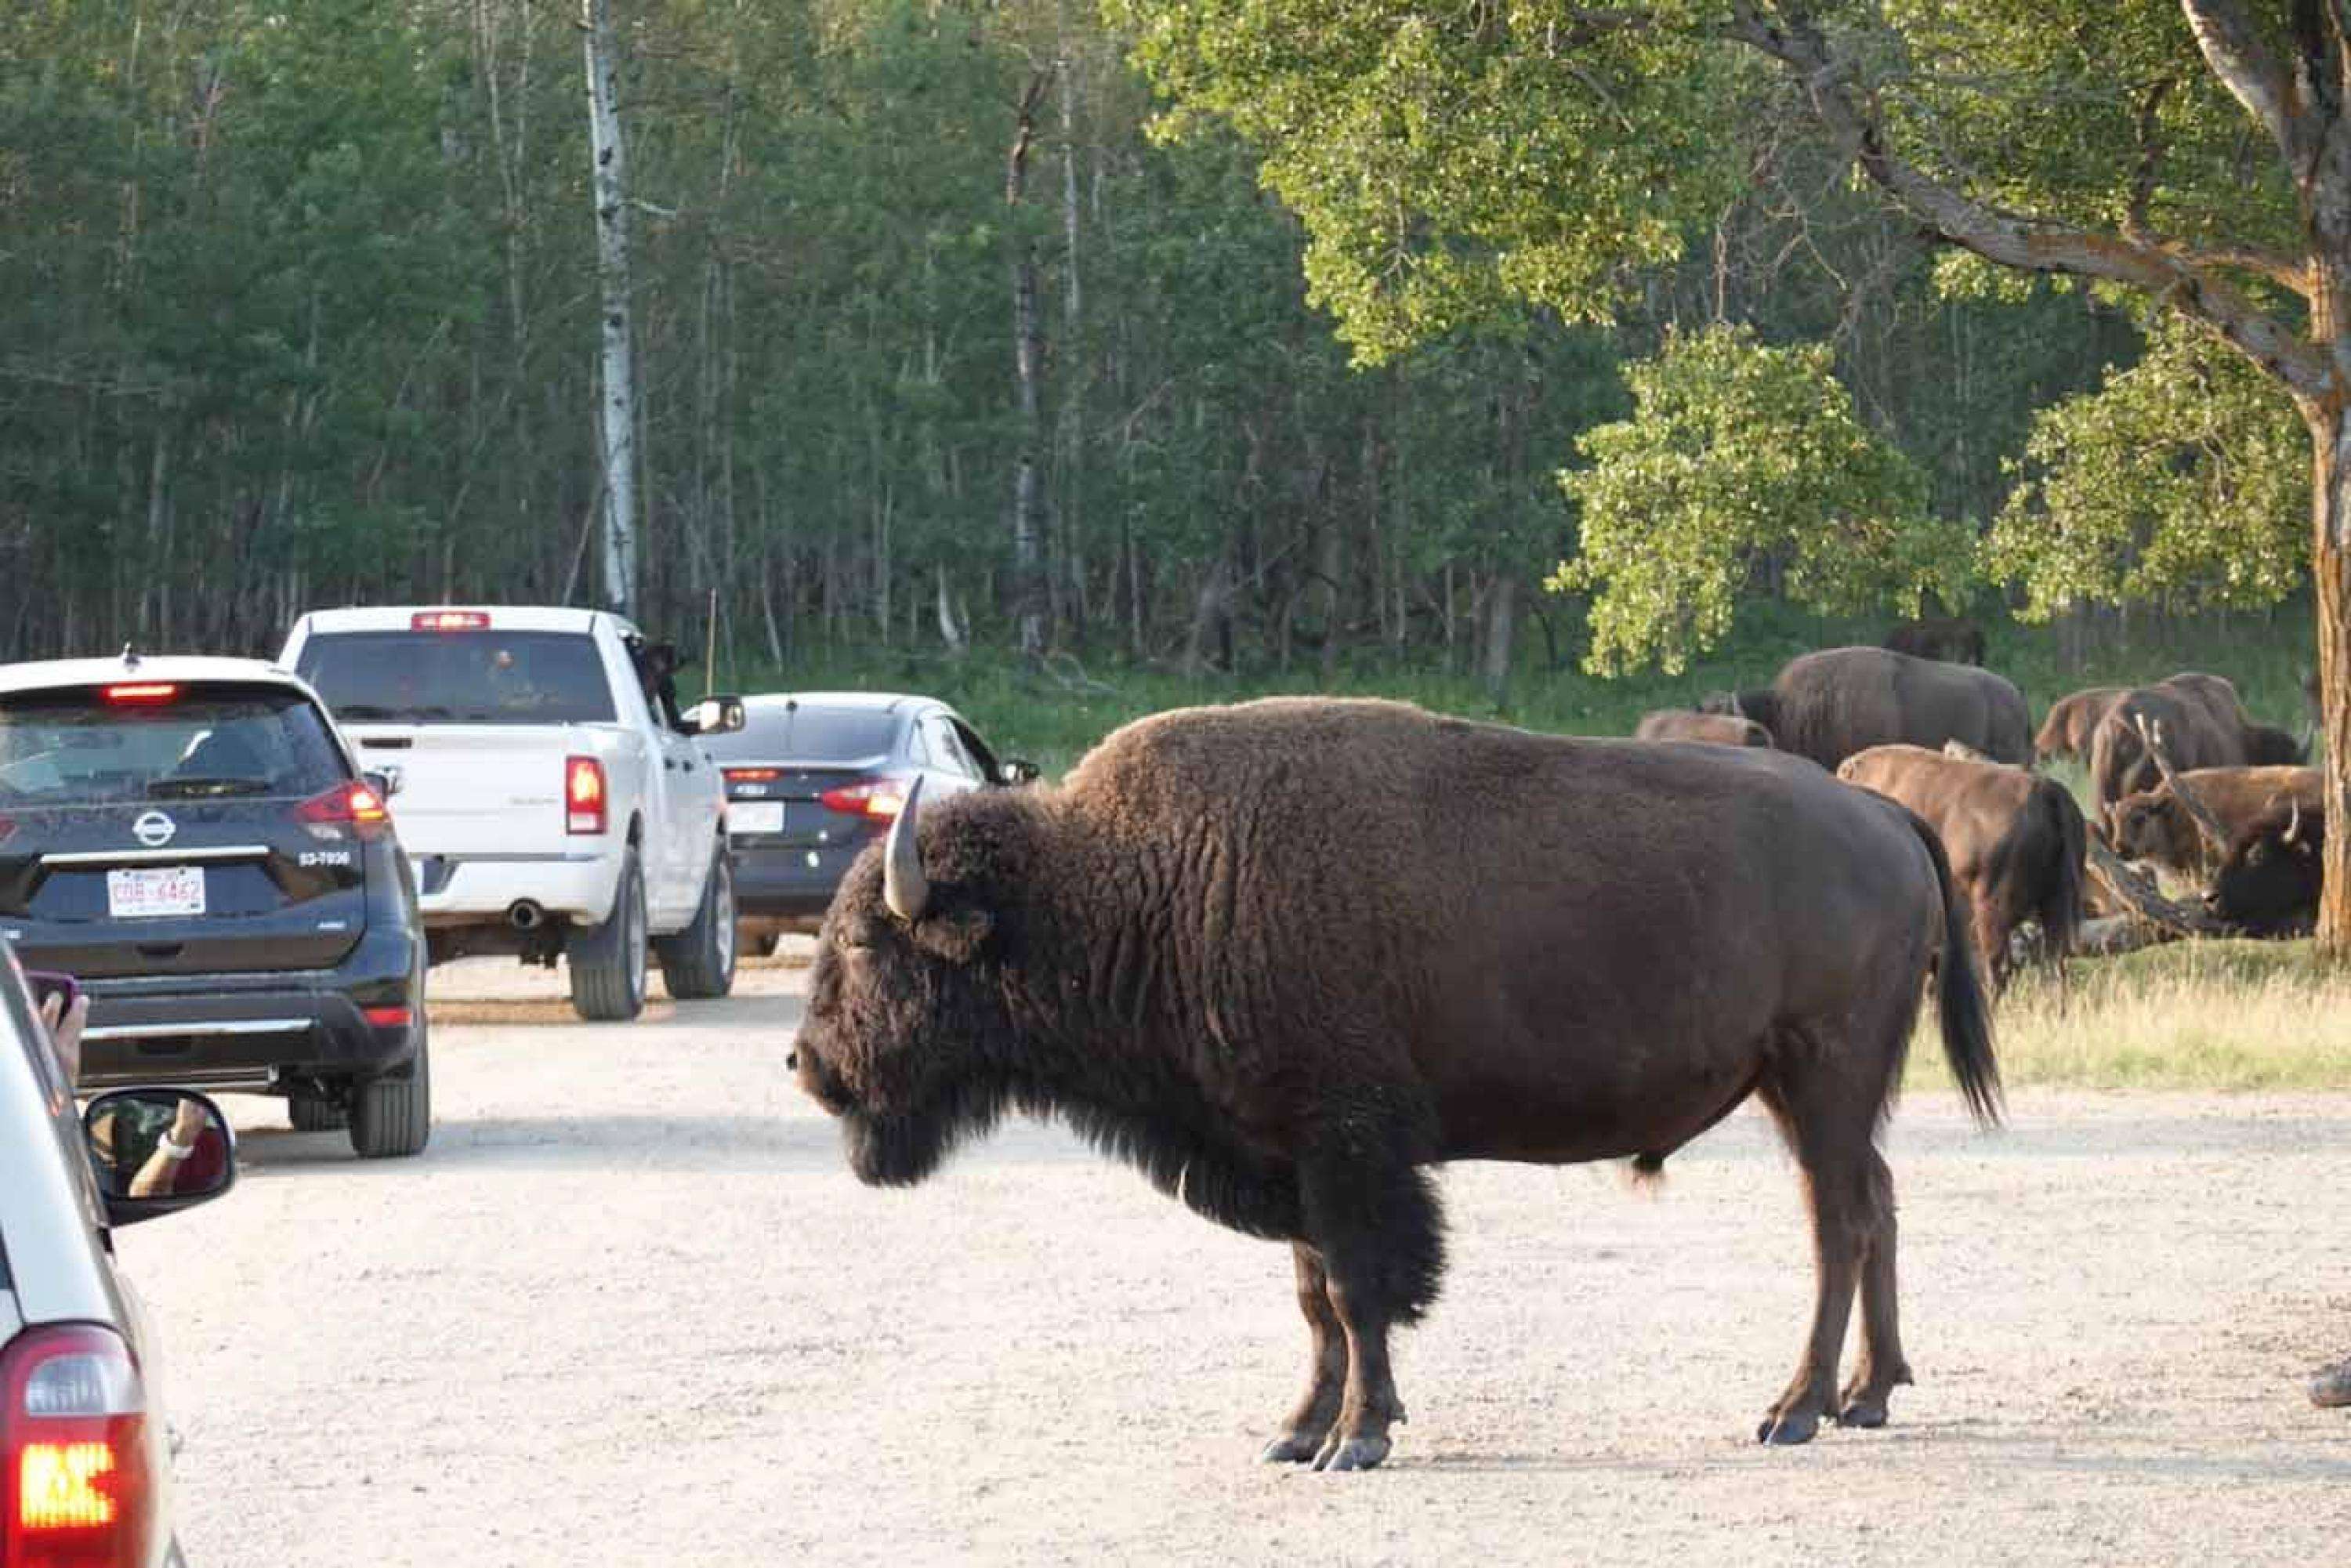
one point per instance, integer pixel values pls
(489, 789)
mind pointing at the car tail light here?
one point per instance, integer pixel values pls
(881, 799)
(584, 800)
(753, 775)
(78, 1494)
(138, 694)
(387, 1017)
(450, 620)
(354, 806)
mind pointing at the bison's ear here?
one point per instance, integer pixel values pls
(956, 935)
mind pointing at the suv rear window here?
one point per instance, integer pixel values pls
(76, 746)
(806, 734)
(460, 678)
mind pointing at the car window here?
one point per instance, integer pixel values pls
(806, 733)
(947, 750)
(976, 749)
(460, 678)
(80, 746)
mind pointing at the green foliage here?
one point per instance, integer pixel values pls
(1737, 453)
(2184, 480)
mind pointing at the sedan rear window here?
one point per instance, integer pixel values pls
(162, 741)
(460, 678)
(805, 732)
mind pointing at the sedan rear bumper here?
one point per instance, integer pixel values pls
(787, 883)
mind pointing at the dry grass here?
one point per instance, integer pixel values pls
(2192, 1015)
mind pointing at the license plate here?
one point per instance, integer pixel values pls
(755, 817)
(137, 893)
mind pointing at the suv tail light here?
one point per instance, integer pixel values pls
(142, 693)
(354, 806)
(881, 799)
(584, 801)
(78, 1491)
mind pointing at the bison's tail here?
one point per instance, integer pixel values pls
(1965, 1011)
(2061, 906)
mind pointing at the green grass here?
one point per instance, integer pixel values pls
(2226, 1016)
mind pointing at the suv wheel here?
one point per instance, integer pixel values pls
(317, 1112)
(607, 961)
(393, 1116)
(699, 961)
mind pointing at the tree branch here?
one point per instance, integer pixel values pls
(2243, 63)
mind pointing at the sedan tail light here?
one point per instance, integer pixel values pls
(353, 806)
(584, 800)
(78, 1494)
(881, 799)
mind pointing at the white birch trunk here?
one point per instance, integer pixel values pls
(616, 405)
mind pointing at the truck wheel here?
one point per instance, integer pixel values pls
(393, 1116)
(317, 1112)
(607, 961)
(699, 961)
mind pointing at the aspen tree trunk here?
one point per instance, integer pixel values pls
(617, 421)
(1028, 492)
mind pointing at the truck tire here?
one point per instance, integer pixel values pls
(392, 1117)
(317, 1112)
(699, 961)
(607, 961)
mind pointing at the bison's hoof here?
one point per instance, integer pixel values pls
(1786, 1430)
(1864, 1411)
(1292, 1448)
(1352, 1454)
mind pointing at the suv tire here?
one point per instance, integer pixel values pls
(392, 1117)
(699, 961)
(318, 1113)
(607, 961)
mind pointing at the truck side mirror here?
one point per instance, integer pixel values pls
(715, 716)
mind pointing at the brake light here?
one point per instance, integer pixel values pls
(753, 775)
(583, 795)
(450, 620)
(78, 1490)
(386, 1018)
(142, 693)
(354, 806)
(880, 798)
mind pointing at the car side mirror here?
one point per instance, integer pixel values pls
(1015, 771)
(384, 781)
(157, 1151)
(715, 716)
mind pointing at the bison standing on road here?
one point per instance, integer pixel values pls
(1286, 955)
(2015, 841)
(1829, 704)
(1713, 729)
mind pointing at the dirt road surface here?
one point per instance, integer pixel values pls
(630, 1308)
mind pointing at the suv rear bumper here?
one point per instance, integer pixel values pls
(256, 1030)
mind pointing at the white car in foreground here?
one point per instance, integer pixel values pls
(555, 801)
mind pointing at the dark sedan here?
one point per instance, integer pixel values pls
(813, 777)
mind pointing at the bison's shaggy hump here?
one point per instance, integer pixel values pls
(1829, 704)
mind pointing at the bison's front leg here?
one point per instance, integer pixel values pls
(1302, 1435)
(1373, 1218)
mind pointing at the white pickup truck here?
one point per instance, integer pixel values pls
(552, 798)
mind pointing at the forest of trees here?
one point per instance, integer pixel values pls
(299, 305)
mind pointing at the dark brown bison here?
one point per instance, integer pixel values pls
(1715, 728)
(2014, 840)
(2153, 825)
(2268, 881)
(2197, 719)
(2072, 720)
(1284, 956)
(1948, 638)
(1829, 704)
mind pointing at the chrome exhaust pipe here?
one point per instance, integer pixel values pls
(526, 915)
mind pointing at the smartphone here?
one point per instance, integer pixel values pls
(46, 983)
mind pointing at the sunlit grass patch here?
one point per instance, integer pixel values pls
(2190, 1015)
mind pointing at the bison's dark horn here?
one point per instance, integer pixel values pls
(905, 888)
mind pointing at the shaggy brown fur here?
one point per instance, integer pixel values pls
(1948, 638)
(2268, 882)
(2197, 719)
(1829, 704)
(2072, 720)
(2152, 824)
(2014, 839)
(1714, 728)
(1287, 955)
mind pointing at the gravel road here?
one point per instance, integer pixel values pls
(630, 1308)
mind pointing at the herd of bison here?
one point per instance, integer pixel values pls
(1285, 955)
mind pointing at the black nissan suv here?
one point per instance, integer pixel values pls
(191, 840)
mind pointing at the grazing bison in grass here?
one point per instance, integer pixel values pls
(1829, 704)
(2197, 719)
(2014, 840)
(1714, 728)
(2072, 720)
(2268, 881)
(1285, 956)
(1948, 638)
(2153, 825)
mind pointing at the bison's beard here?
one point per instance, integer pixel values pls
(901, 1150)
